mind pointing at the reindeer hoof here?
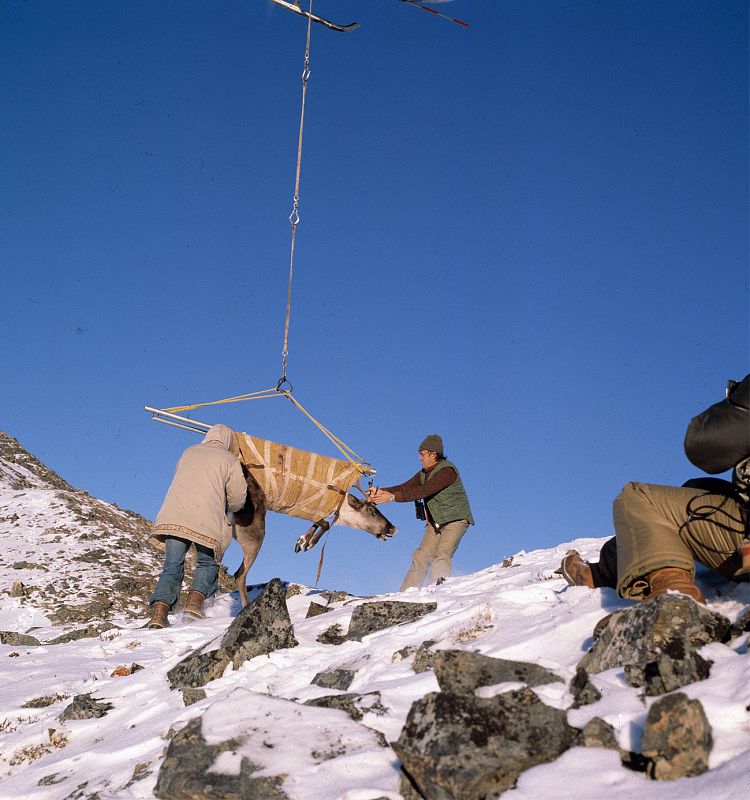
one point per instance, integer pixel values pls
(300, 544)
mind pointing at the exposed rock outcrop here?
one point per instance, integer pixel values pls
(461, 747)
(262, 627)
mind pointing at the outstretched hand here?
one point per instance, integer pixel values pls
(375, 495)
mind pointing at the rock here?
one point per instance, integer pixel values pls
(332, 635)
(461, 672)
(665, 673)
(140, 771)
(355, 705)
(124, 670)
(404, 652)
(336, 597)
(95, 556)
(17, 589)
(190, 696)
(676, 738)
(89, 632)
(742, 625)
(336, 679)
(584, 692)
(671, 624)
(315, 610)
(425, 657)
(407, 789)
(467, 747)
(185, 775)
(45, 701)
(51, 780)
(262, 627)
(372, 617)
(598, 733)
(198, 669)
(18, 639)
(86, 707)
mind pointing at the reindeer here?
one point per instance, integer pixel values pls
(249, 526)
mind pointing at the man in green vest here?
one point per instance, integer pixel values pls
(441, 502)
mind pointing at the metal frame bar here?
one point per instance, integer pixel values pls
(158, 415)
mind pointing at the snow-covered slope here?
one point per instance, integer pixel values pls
(65, 556)
(518, 609)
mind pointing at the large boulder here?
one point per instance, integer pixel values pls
(461, 671)
(670, 627)
(262, 627)
(462, 747)
(377, 616)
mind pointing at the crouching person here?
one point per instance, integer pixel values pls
(661, 531)
(208, 482)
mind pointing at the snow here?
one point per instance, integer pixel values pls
(520, 611)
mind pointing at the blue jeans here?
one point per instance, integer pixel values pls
(205, 580)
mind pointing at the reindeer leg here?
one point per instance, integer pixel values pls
(308, 540)
(250, 541)
(249, 535)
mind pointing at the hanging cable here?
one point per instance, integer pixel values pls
(279, 390)
(294, 216)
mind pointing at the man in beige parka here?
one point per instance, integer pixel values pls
(208, 482)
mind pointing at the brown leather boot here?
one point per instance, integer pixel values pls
(575, 570)
(194, 607)
(159, 616)
(673, 579)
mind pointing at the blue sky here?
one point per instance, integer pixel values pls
(529, 236)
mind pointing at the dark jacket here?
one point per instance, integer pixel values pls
(718, 439)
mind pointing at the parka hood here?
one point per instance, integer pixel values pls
(219, 434)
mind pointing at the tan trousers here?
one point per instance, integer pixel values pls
(435, 553)
(669, 526)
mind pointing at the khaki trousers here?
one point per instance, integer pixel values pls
(435, 553)
(669, 526)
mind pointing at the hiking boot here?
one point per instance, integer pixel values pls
(194, 606)
(575, 570)
(159, 616)
(673, 579)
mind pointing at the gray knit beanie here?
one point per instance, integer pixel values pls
(433, 443)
